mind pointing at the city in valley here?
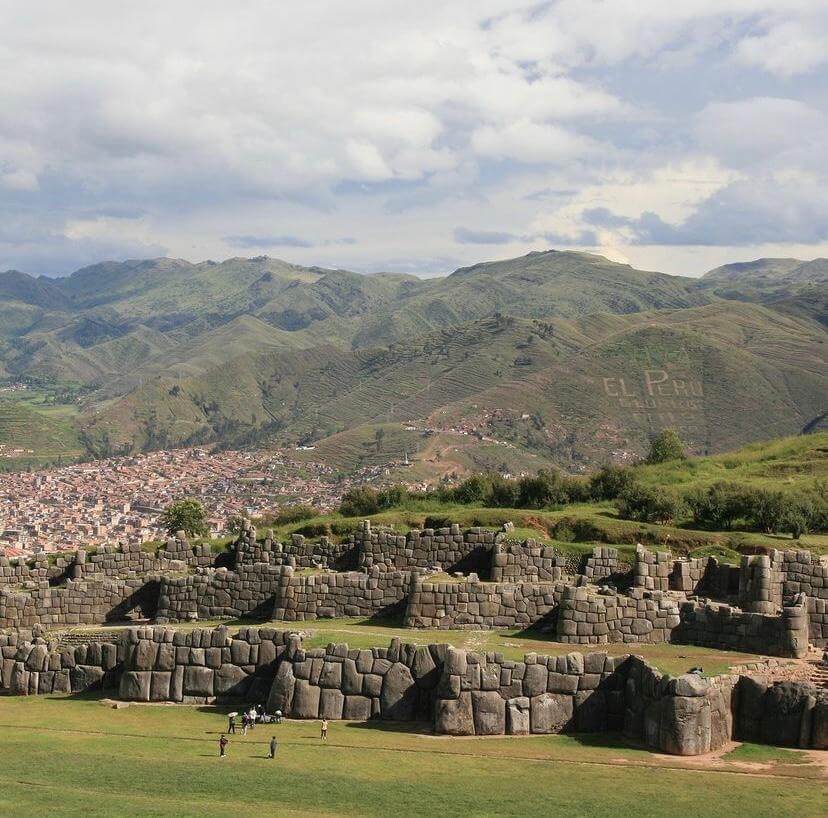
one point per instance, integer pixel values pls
(119, 500)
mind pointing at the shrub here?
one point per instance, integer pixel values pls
(610, 482)
(666, 446)
(718, 506)
(360, 501)
(295, 514)
(648, 505)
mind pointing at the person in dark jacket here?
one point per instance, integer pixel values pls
(222, 746)
(273, 747)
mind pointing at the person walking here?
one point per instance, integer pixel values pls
(222, 746)
(245, 723)
(231, 723)
(324, 733)
(273, 747)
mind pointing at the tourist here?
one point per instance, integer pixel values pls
(278, 717)
(324, 733)
(231, 723)
(273, 747)
(222, 745)
(245, 723)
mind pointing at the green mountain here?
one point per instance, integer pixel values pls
(787, 284)
(552, 357)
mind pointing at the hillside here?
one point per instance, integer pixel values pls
(551, 357)
(788, 284)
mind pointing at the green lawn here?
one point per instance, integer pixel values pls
(79, 757)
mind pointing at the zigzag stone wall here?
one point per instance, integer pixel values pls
(458, 692)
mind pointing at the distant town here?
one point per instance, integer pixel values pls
(120, 499)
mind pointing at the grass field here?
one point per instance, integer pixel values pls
(65, 757)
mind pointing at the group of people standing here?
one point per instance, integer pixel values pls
(249, 719)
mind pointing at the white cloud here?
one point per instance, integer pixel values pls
(394, 123)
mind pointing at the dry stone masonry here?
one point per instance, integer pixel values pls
(456, 692)
(436, 578)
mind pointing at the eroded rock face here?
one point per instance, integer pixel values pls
(685, 725)
(517, 716)
(305, 700)
(489, 710)
(551, 713)
(281, 691)
(398, 699)
(454, 717)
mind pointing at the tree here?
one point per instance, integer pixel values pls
(359, 501)
(379, 437)
(649, 505)
(718, 506)
(610, 482)
(185, 515)
(665, 446)
(235, 524)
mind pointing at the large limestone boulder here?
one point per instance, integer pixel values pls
(86, 677)
(425, 670)
(750, 697)
(160, 686)
(685, 725)
(454, 717)
(819, 726)
(305, 700)
(517, 716)
(783, 709)
(230, 680)
(489, 710)
(198, 681)
(551, 712)
(398, 699)
(135, 686)
(591, 711)
(281, 691)
(535, 680)
(331, 702)
(357, 708)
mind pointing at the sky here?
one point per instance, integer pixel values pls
(413, 137)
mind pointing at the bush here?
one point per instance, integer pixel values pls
(718, 506)
(610, 482)
(295, 514)
(648, 505)
(360, 501)
(666, 446)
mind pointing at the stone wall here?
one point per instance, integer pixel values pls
(277, 592)
(526, 562)
(652, 571)
(589, 618)
(806, 574)
(201, 666)
(602, 564)
(458, 692)
(718, 625)
(338, 682)
(79, 602)
(471, 603)
(31, 665)
(298, 552)
(449, 549)
(790, 714)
